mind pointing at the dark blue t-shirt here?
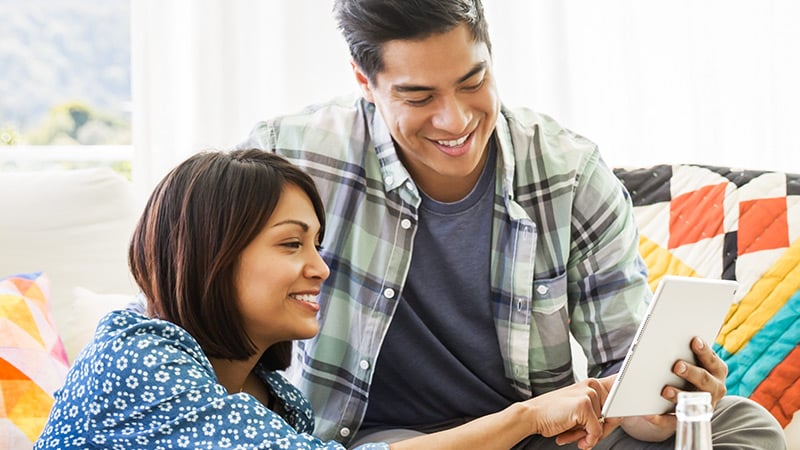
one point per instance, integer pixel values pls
(440, 360)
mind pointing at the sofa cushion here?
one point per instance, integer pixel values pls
(33, 363)
(74, 225)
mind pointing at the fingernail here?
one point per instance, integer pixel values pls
(700, 343)
(681, 367)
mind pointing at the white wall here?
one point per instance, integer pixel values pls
(711, 82)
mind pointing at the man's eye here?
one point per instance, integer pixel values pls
(421, 102)
(474, 87)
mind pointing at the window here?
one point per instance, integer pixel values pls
(65, 90)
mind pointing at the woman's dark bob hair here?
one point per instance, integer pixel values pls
(185, 249)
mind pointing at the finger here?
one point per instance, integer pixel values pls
(594, 428)
(610, 423)
(607, 382)
(597, 394)
(709, 359)
(570, 436)
(701, 379)
(670, 393)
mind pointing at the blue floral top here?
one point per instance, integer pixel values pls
(146, 384)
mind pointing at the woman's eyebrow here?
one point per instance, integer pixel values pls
(299, 223)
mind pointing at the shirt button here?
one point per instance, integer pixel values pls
(364, 364)
(405, 224)
(344, 431)
(389, 293)
(389, 180)
(542, 289)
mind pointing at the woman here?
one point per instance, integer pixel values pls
(226, 254)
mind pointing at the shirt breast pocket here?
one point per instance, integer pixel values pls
(549, 295)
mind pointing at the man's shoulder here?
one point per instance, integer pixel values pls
(340, 125)
(538, 135)
(330, 113)
(527, 121)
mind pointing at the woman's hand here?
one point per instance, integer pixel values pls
(572, 414)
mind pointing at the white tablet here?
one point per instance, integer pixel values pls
(682, 308)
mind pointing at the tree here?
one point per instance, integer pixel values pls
(72, 123)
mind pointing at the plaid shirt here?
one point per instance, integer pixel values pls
(564, 252)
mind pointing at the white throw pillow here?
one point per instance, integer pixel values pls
(88, 308)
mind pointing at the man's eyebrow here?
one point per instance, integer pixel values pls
(475, 69)
(400, 88)
(299, 223)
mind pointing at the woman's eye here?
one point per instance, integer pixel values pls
(292, 244)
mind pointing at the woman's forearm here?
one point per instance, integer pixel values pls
(572, 411)
(500, 430)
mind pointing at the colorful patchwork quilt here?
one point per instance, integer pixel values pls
(742, 225)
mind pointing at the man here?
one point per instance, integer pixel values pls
(465, 241)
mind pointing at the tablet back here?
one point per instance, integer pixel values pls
(682, 307)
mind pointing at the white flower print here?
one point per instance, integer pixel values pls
(162, 376)
(234, 417)
(209, 429)
(151, 392)
(183, 441)
(132, 382)
(149, 360)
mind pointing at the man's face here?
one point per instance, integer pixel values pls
(439, 100)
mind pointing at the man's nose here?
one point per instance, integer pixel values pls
(452, 115)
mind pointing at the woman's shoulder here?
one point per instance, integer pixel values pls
(131, 336)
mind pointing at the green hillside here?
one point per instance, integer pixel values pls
(63, 60)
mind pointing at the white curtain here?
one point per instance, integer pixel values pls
(711, 82)
(205, 71)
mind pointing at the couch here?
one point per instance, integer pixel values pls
(67, 232)
(63, 242)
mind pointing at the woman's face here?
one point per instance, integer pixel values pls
(280, 273)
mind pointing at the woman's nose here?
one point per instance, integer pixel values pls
(316, 267)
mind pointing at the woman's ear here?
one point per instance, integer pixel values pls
(363, 82)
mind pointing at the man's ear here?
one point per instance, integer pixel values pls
(363, 82)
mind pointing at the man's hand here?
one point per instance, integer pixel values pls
(708, 376)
